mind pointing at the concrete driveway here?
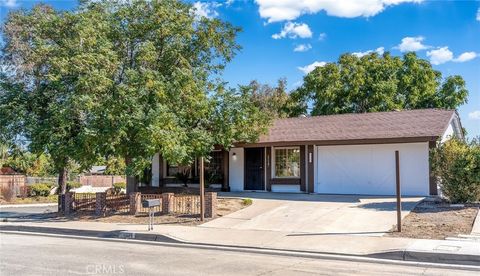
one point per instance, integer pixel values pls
(316, 214)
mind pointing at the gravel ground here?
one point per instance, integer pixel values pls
(225, 207)
(437, 221)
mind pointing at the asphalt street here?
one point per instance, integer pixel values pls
(32, 212)
(40, 255)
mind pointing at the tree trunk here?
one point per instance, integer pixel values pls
(62, 180)
(131, 180)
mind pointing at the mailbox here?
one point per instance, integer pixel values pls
(149, 203)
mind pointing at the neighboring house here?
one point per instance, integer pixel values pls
(336, 154)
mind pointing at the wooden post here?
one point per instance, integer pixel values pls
(399, 199)
(202, 191)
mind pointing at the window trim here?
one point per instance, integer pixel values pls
(274, 164)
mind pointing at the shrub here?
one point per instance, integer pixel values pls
(39, 189)
(247, 201)
(456, 164)
(117, 187)
(73, 185)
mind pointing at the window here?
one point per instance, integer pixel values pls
(287, 162)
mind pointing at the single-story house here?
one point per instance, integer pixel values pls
(334, 154)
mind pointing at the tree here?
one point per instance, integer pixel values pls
(54, 64)
(120, 78)
(378, 83)
(275, 101)
(158, 98)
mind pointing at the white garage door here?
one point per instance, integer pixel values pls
(370, 169)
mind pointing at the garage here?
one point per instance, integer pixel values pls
(370, 169)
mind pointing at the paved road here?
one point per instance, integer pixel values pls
(27, 212)
(36, 255)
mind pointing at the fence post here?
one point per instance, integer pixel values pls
(135, 201)
(100, 204)
(167, 203)
(68, 200)
(210, 204)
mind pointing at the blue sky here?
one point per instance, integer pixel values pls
(286, 38)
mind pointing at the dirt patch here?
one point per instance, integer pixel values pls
(437, 221)
(225, 207)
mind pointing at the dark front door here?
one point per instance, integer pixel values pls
(254, 173)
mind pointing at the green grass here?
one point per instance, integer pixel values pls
(32, 200)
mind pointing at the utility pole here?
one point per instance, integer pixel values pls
(202, 190)
(399, 199)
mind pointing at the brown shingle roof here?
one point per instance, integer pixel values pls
(420, 123)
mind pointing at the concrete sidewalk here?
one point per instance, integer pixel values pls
(440, 251)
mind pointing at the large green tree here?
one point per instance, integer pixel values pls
(274, 101)
(53, 69)
(378, 83)
(122, 78)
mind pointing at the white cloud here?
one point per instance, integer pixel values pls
(229, 2)
(410, 44)
(322, 36)
(475, 115)
(467, 56)
(294, 30)
(207, 10)
(478, 14)
(281, 10)
(440, 55)
(309, 68)
(379, 50)
(302, 48)
(8, 3)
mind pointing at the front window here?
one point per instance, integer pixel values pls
(287, 162)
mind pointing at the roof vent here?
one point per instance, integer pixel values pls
(302, 116)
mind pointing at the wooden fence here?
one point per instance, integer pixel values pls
(12, 183)
(186, 204)
(101, 203)
(101, 180)
(83, 202)
(117, 203)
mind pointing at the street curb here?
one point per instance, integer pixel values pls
(264, 251)
(467, 262)
(28, 205)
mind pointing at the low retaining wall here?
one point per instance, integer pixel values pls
(101, 203)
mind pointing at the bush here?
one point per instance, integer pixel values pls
(456, 164)
(39, 189)
(117, 187)
(73, 185)
(247, 201)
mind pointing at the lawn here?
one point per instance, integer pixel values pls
(437, 220)
(31, 200)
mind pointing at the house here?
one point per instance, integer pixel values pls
(335, 154)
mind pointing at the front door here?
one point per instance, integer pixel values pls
(254, 172)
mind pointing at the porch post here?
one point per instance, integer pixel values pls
(202, 191)
(310, 168)
(226, 164)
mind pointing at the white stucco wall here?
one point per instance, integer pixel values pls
(370, 169)
(236, 169)
(449, 133)
(155, 170)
